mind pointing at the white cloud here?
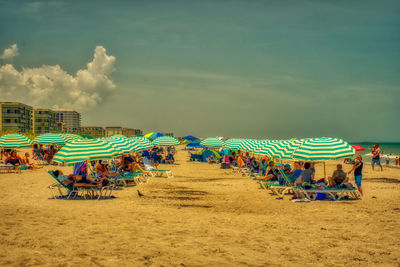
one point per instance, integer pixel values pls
(10, 52)
(49, 86)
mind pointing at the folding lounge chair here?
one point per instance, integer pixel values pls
(156, 172)
(77, 189)
(275, 187)
(333, 192)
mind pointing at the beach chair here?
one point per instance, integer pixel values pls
(74, 190)
(275, 187)
(156, 172)
(332, 192)
(4, 167)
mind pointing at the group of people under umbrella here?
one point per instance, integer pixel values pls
(267, 160)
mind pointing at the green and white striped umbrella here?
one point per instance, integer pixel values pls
(141, 143)
(51, 139)
(323, 148)
(14, 141)
(122, 145)
(165, 141)
(72, 137)
(252, 145)
(81, 150)
(212, 142)
(233, 143)
(118, 136)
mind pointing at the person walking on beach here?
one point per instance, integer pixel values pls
(376, 156)
(357, 168)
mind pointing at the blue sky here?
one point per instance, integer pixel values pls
(256, 69)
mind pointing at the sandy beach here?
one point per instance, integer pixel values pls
(203, 216)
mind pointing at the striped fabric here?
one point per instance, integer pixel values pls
(81, 150)
(166, 141)
(141, 143)
(233, 143)
(323, 148)
(121, 145)
(51, 139)
(212, 142)
(14, 141)
(71, 137)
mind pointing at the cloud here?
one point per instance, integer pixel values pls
(49, 86)
(10, 52)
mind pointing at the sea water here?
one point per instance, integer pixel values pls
(388, 150)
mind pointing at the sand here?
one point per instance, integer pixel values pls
(205, 216)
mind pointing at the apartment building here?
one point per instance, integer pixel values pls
(94, 131)
(68, 120)
(44, 121)
(15, 117)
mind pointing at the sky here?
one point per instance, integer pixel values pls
(245, 69)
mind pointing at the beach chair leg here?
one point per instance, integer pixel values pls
(262, 185)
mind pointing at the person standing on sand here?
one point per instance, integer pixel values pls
(357, 168)
(376, 158)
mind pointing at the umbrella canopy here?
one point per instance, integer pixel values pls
(81, 150)
(119, 136)
(210, 152)
(71, 136)
(141, 144)
(195, 145)
(14, 141)
(190, 138)
(233, 143)
(153, 135)
(358, 148)
(212, 142)
(51, 139)
(121, 145)
(165, 141)
(323, 148)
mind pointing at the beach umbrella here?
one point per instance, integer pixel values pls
(118, 136)
(14, 141)
(153, 135)
(165, 141)
(190, 138)
(142, 143)
(322, 149)
(122, 145)
(233, 143)
(51, 139)
(81, 150)
(194, 144)
(212, 142)
(358, 148)
(71, 136)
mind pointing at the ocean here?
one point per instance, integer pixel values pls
(389, 150)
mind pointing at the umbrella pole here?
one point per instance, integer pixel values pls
(324, 170)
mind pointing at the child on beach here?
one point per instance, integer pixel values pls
(357, 168)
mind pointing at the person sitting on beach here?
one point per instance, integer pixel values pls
(271, 173)
(263, 166)
(240, 161)
(26, 161)
(338, 177)
(146, 154)
(254, 166)
(79, 180)
(170, 159)
(297, 170)
(307, 176)
(13, 160)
